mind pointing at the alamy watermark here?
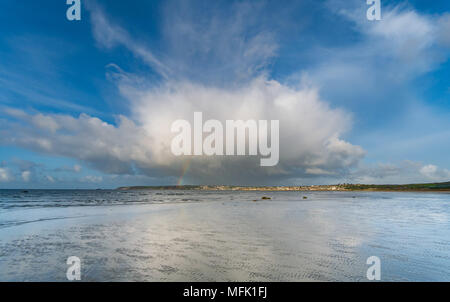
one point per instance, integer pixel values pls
(74, 11)
(237, 134)
(374, 270)
(374, 11)
(74, 270)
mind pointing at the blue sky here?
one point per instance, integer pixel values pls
(88, 104)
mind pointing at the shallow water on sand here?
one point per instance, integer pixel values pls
(223, 236)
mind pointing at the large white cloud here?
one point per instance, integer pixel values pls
(310, 132)
(309, 129)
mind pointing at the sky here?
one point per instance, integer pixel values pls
(89, 103)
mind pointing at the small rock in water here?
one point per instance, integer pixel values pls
(304, 197)
(265, 197)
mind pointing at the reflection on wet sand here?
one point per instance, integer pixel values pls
(225, 236)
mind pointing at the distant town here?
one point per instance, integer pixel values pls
(444, 186)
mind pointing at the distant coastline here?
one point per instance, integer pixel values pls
(428, 187)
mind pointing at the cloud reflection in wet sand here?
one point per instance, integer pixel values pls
(227, 237)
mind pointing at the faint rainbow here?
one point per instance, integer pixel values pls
(186, 166)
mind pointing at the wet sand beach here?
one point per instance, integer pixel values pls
(223, 236)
